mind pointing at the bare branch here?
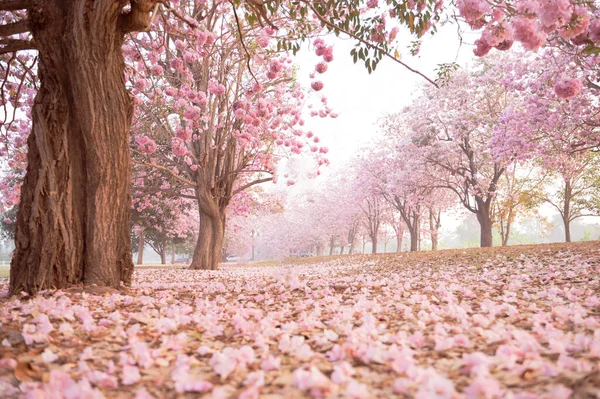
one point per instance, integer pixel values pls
(13, 5)
(165, 169)
(14, 28)
(253, 183)
(237, 22)
(12, 45)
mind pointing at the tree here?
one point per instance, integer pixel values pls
(452, 127)
(404, 182)
(578, 179)
(519, 195)
(73, 221)
(221, 114)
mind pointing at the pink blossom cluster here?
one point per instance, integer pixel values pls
(530, 22)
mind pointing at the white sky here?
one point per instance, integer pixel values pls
(361, 99)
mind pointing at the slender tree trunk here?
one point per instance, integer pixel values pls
(163, 253)
(566, 214)
(342, 250)
(385, 247)
(141, 244)
(485, 224)
(506, 234)
(73, 220)
(331, 244)
(399, 241)
(567, 224)
(172, 253)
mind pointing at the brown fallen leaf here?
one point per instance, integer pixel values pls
(13, 336)
(587, 387)
(27, 372)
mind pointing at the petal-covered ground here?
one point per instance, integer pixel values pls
(522, 322)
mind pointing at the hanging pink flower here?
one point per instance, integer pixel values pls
(321, 67)
(317, 85)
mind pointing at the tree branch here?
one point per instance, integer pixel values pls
(366, 43)
(13, 5)
(169, 171)
(14, 28)
(245, 186)
(12, 45)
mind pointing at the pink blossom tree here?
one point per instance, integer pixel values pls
(75, 198)
(451, 128)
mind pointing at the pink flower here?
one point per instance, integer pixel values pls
(312, 380)
(473, 10)
(342, 373)
(143, 394)
(317, 85)
(594, 30)
(130, 375)
(475, 361)
(48, 356)
(356, 390)
(271, 363)
(567, 88)
(321, 67)
(481, 48)
(156, 70)
(435, 386)
(483, 388)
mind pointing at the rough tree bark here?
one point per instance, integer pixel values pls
(211, 231)
(73, 220)
(485, 223)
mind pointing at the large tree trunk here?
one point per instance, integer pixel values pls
(414, 238)
(374, 244)
(209, 246)
(141, 244)
(485, 224)
(73, 221)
